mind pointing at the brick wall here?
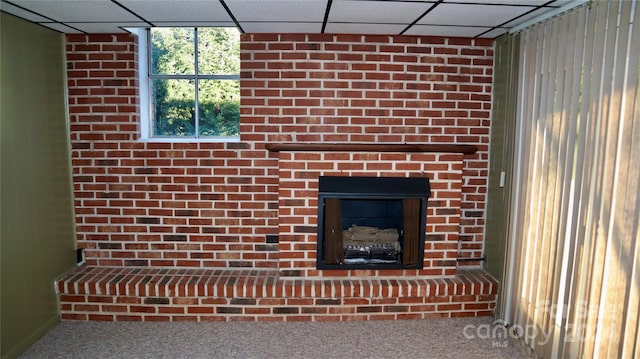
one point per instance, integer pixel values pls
(215, 204)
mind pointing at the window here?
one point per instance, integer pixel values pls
(193, 83)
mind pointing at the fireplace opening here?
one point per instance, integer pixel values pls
(371, 222)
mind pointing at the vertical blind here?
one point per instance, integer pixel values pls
(575, 287)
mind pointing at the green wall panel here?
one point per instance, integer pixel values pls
(37, 241)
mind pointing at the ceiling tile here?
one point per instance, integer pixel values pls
(194, 24)
(542, 13)
(278, 10)
(560, 3)
(502, 2)
(78, 10)
(106, 28)
(344, 28)
(8, 8)
(448, 17)
(384, 12)
(60, 27)
(495, 32)
(178, 10)
(471, 14)
(461, 31)
(527, 17)
(282, 27)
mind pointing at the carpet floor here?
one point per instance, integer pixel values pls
(431, 338)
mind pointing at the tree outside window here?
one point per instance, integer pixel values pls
(194, 82)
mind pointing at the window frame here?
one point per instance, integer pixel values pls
(146, 80)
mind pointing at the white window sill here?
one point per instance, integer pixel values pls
(191, 140)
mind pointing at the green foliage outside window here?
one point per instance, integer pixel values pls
(174, 81)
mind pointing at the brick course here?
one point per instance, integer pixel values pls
(212, 205)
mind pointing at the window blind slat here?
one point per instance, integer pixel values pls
(610, 114)
(619, 236)
(631, 339)
(589, 127)
(553, 123)
(564, 169)
(528, 105)
(595, 262)
(565, 270)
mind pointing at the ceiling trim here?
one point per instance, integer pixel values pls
(326, 16)
(548, 15)
(132, 12)
(75, 16)
(54, 21)
(226, 8)
(421, 16)
(521, 15)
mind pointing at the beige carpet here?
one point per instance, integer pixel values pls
(432, 338)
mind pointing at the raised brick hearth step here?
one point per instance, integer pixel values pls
(155, 294)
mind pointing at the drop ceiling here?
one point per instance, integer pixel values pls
(467, 18)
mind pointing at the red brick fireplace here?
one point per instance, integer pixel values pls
(298, 185)
(227, 231)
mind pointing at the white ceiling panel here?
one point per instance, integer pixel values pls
(471, 14)
(178, 10)
(60, 28)
(432, 30)
(282, 27)
(542, 13)
(105, 28)
(194, 24)
(278, 10)
(502, 2)
(22, 13)
(445, 17)
(526, 17)
(495, 32)
(79, 10)
(383, 29)
(384, 12)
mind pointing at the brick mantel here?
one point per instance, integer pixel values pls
(372, 147)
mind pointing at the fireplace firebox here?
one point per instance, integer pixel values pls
(371, 222)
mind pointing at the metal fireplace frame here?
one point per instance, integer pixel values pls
(375, 188)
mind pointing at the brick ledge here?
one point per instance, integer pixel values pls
(147, 282)
(156, 294)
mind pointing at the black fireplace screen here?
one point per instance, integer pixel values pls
(371, 222)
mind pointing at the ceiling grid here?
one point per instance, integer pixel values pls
(464, 18)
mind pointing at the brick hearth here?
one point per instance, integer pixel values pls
(155, 294)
